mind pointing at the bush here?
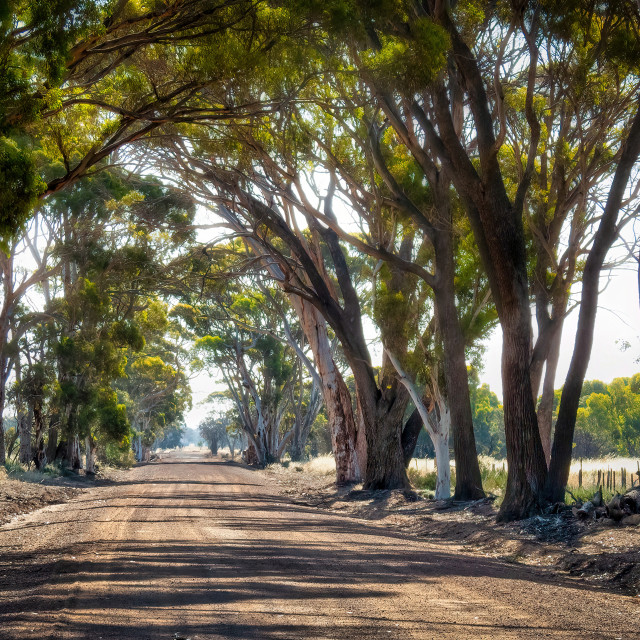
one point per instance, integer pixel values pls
(421, 480)
(494, 481)
(115, 456)
(21, 472)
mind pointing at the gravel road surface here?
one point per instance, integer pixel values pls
(199, 548)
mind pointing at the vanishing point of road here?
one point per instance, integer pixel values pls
(199, 548)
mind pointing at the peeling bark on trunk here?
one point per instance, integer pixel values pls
(73, 453)
(90, 455)
(348, 440)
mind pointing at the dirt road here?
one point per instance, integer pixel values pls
(202, 549)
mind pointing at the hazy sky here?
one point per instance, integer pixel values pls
(618, 319)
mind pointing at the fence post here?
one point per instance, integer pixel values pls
(580, 475)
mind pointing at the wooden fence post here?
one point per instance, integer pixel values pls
(580, 475)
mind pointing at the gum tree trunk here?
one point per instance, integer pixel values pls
(605, 236)
(90, 453)
(24, 418)
(385, 460)
(348, 441)
(73, 453)
(468, 478)
(525, 457)
(39, 457)
(52, 438)
(545, 408)
(441, 445)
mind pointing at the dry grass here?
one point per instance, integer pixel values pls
(591, 466)
(425, 467)
(320, 466)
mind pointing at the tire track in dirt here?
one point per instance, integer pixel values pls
(206, 550)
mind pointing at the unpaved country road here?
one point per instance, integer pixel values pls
(204, 549)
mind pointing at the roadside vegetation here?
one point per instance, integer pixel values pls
(328, 207)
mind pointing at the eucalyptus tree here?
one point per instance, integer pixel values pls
(390, 193)
(273, 155)
(305, 273)
(156, 394)
(454, 115)
(222, 425)
(244, 330)
(259, 370)
(94, 252)
(82, 78)
(19, 280)
(213, 429)
(496, 201)
(348, 439)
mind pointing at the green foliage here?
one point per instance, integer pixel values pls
(20, 187)
(119, 455)
(422, 481)
(55, 26)
(171, 437)
(410, 62)
(112, 416)
(488, 418)
(608, 420)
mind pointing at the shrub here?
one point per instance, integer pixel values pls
(422, 480)
(493, 480)
(115, 456)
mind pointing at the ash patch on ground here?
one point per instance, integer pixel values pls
(558, 527)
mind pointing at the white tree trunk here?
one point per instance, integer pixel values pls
(90, 453)
(440, 440)
(438, 430)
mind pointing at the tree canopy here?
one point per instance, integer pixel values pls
(261, 187)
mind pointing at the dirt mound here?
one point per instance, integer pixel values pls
(17, 497)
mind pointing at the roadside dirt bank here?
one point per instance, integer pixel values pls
(604, 553)
(24, 493)
(199, 548)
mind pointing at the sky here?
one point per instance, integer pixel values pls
(618, 320)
